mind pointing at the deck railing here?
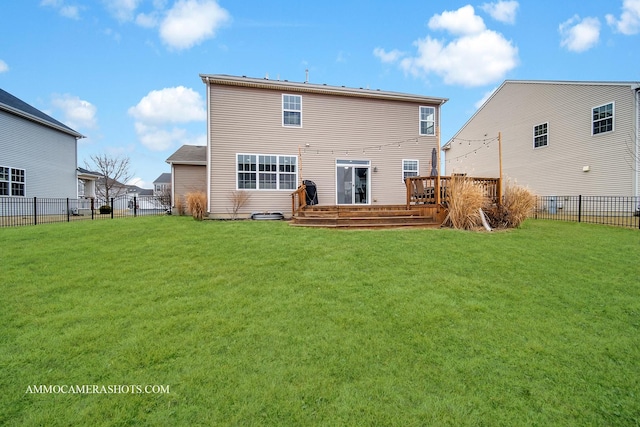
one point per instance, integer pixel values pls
(298, 199)
(434, 189)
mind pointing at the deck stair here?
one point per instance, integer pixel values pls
(349, 216)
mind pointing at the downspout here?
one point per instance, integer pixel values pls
(209, 206)
(636, 145)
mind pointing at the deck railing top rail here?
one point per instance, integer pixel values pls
(433, 189)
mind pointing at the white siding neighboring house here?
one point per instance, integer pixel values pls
(38, 154)
(266, 136)
(162, 184)
(558, 138)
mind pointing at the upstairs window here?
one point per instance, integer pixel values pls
(427, 120)
(541, 135)
(12, 181)
(602, 119)
(409, 168)
(292, 110)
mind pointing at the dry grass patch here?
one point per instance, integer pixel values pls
(518, 204)
(466, 198)
(197, 204)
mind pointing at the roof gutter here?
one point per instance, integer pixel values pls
(33, 118)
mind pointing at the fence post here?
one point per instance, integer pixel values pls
(68, 217)
(35, 211)
(92, 208)
(580, 208)
(112, 208)
(135, 206)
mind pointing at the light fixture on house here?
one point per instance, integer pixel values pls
(375, 169)
(586, 169)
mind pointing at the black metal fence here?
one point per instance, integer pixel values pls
(17, 211)
(610, 210)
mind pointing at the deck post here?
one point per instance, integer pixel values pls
(436, 189)
(407, 184)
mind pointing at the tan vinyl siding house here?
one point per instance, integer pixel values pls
(188, 172)
(265, 137)
(558, 138)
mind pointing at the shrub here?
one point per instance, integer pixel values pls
(466, 198)
(238, 199)
(105, 209)
(197, 203)
(180, 209)
(518, 203)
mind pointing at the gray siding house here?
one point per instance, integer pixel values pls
(37, 153)
(356, 145)
(558, 138)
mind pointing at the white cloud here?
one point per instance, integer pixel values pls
(503, 11)
(388, 57)
(137, 181)
(476, 56)
(629, 22)
(486, 96)
(174, 105)
(77, 113)
(461, 21)
(190, 22)
(122, 10)
(66, 10)
(3, 66)
(579, 35)
(161, 108)
(147, 20)
(158, 139)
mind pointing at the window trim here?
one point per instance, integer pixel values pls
(290, 110)
(420, 121)
(277, 171)
(613, 117)
(404, 169)
(537, 136)
(10, 181)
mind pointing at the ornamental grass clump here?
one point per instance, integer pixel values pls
(465, 198)
(196, 204)
(519, 203)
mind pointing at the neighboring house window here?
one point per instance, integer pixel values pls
(267, 172)
(409, 168)
(603, 119)
(292, 110)
(427, 120)
(12, 181)
(540, 135)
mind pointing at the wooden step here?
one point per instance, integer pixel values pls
(379, 216)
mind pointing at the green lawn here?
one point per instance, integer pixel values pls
(260, 323)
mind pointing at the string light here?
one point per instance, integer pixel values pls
(483, 143)
(397, 144)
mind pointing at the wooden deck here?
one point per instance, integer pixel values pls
(425, 206)
(358, 216)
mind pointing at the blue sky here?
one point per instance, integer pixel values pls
(125, 72)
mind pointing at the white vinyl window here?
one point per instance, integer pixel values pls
(602, 119)
(12, 181)
(409, 168)
(266, 172)
(292, 111)
(541, 135)
(427, 121)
